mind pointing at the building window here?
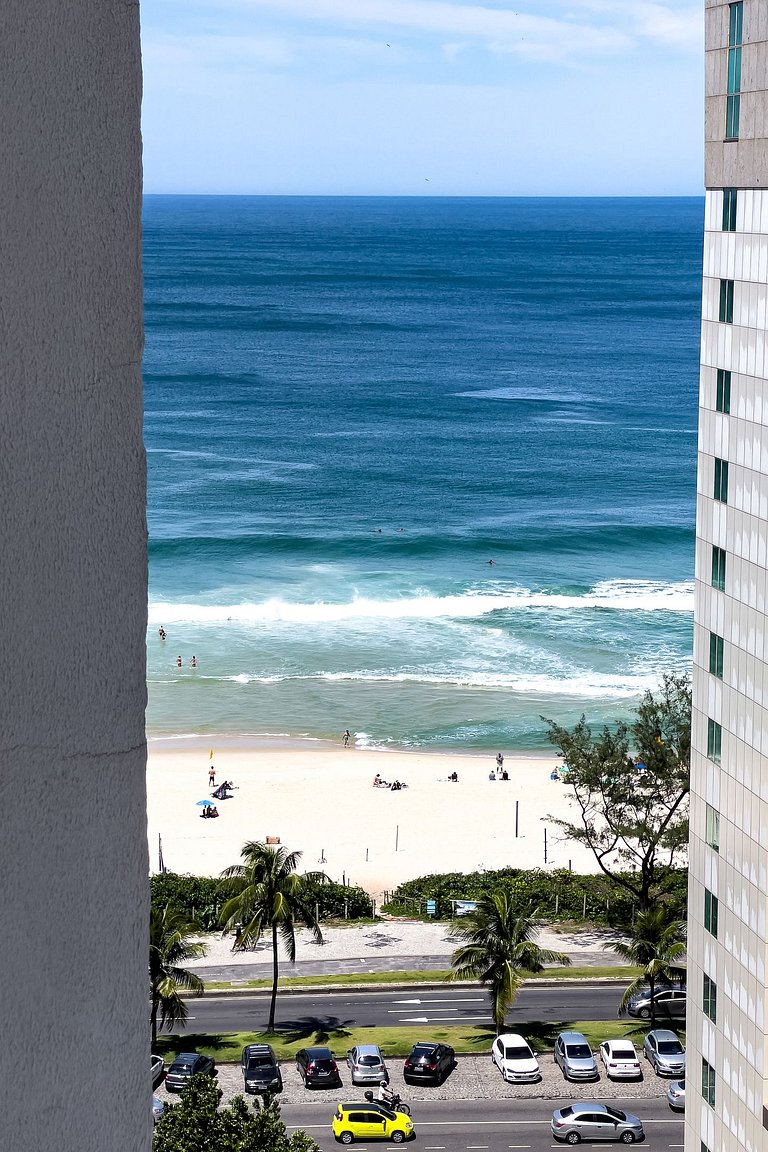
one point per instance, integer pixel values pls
(721, 480)
(733, 98)
(709, 1001)
(712, 834)
(716, 646)
(729, 209)
(723, 398)
(718, 568)
(725, 313)
(714, 740)
(708, 1082)
(711, 907)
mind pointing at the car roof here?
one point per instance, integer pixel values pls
(258, 1050)
(572, 1037)
(323, 1052)
(664, 1034)
(589, 1106)
(513, 1038)
(620, 1043)
(186, 1056)
(368, 1049)
(365, 1105)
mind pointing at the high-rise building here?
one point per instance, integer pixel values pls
(727, 1036)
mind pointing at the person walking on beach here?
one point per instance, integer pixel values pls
(499, 761)
(346, 738)
(211, 775)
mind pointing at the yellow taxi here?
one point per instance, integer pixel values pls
(363, 1121)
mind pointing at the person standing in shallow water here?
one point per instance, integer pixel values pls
(346, 738)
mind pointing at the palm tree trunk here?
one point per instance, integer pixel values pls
(271, 1025)
(652, 981)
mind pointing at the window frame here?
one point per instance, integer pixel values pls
(725, 307)
(711, 913)
(708, 1090)
(716, 654)
(714, 740)
(720, 487)
(718, 567)
(723, 391)
(712, 827)
(730, 201)
(709, 998)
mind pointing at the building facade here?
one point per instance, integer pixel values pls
(727, 1032)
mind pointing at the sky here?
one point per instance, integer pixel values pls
(423, 97)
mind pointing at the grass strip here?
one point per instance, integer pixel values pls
(473, 1040)
(423, 976)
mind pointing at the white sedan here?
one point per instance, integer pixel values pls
(621, 1060)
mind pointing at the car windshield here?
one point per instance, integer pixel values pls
(423, 1053)
(519, 1052)
(181, 1066)
(368, 1061)
(566, 1111)
(578, 1051)
(616, 1114)
(670, 1047)
(388, 1113)
(259, 1062)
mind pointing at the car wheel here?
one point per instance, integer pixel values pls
(397, 1137)
(573, 1138)
(644, 1013)
(346, 1138)
(627, 1138)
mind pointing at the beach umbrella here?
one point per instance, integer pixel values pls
(205, 804)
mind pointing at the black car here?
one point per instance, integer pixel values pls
(261, 1072)
(429, 1062)
(317, 1066)
(185, 1066)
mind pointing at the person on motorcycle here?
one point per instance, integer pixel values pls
(385, 1094)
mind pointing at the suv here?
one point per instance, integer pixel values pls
(575, 1057)
(665, 1052)
(514, 1058)
(366, 1064)
(667, 1002)
(185, 1066)
(317, 1066)
(431, 1062)
(260, 1069)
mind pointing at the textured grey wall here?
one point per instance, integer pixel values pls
(73, 946)
(742, 163)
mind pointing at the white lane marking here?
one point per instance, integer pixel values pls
(442, 1019)
(445, 1000)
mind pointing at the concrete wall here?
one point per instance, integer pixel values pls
(741, 163)
(73, 943)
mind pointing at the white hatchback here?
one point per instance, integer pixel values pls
(514, 1058)
(621, 1060)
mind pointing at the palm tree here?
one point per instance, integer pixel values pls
(268, 894)
(656, 943)
(169, 947)
(498, 947)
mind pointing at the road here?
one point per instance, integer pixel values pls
(449, 1005)
(490, 1126)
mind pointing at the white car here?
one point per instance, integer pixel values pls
(621, 1060)
(513, 1057)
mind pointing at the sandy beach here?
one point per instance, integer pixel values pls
(319, 799)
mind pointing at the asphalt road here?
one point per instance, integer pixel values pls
(418, 1007)
(490, 1126)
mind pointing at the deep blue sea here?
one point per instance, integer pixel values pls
(419, 468)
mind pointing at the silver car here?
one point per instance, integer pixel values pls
(591, 1121)
(366, 1065)
(665, 1052)
(574, 1057)
(676, 1095)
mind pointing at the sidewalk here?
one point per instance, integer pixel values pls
(391, 946)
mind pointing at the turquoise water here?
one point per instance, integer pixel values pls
(353, 405)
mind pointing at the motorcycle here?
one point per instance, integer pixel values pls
(394, 1102)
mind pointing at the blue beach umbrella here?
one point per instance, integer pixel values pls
(204, 804)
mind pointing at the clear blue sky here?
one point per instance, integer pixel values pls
(423, 97)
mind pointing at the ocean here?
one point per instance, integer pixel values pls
(419, 468)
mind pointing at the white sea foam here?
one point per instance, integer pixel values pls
(616, 595)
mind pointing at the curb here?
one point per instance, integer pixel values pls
(427, 986)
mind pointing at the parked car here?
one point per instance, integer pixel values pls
(317, 1066)
(366, 1065)
(261, 1072)
(429, 1062)
(665, 1052)
(575, 1058)
(620, 1060)
(185, 1066)
(158, 1070)
(589, 1121)
(514, 1058)
(670, 1003)
(370, 1122)
(158, 1108)
(676, 1095)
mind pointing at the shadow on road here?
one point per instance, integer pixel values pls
(314, 1029)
